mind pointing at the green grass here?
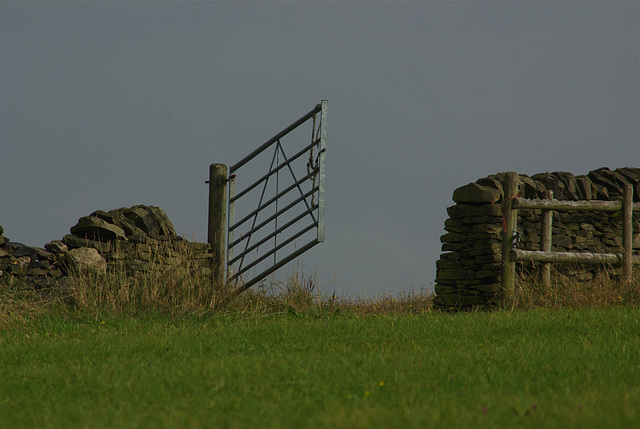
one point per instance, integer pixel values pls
(324, 368)
(169, 349)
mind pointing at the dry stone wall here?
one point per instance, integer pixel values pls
(130, 239)
(469, 268)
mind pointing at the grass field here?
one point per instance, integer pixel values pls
(324, 368)
(168, 350)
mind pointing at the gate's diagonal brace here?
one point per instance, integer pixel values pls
(272, 217)
(298, 183)
(272, 200)
(295, 228)
(278, 231)
(268, 271)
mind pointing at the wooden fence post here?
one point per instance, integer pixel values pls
(627, 232)
(510, 219)
(217, 228)
(546, 228)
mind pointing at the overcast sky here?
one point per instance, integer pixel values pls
(111, 104)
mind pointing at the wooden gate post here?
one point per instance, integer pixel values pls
(510, 219)
(217, 228)
(546, 228)
(627, 232)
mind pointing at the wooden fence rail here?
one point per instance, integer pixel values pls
(510, 254)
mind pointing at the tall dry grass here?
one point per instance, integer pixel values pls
(184, 286)
(605, 290)
(172, 281)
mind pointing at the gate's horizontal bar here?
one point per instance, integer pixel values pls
(274, 250)
(271, 201)
(273, 234)
(272, 217)
(275, 138)
(268, 271)
(272, 172)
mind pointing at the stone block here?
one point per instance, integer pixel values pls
(450, 255)
(562, 241)
(18, 250)
(443, 289)
(453, 247)
(485, 252)
(447, 263)
(487, 244)
(486, 274)
(466, 210)
(56, 247)
(466, 229)
(488, 288)
(468, 263)
(481, 236)
(86, 259)
(454, 274)
(4, 263)
(95, 228)
(37, 272)
(495, 267)
(43, 255)
(493, 181)
(453, 223)
(474, 193)
(153, 221)
(489, 259)
(453, 237)
(18, 267)
(531, 188)
(494, 229)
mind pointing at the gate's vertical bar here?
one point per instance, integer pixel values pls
(627, 231)
(232, 215)
(275, 225)
(546, 228)
(510, 220)
(217, 229)
(321, 166)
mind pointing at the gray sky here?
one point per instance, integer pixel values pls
(111, 104)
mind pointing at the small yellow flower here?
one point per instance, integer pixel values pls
(103, 322)
(367, 393)
(381, 384)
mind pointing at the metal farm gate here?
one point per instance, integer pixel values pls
(281, 208)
